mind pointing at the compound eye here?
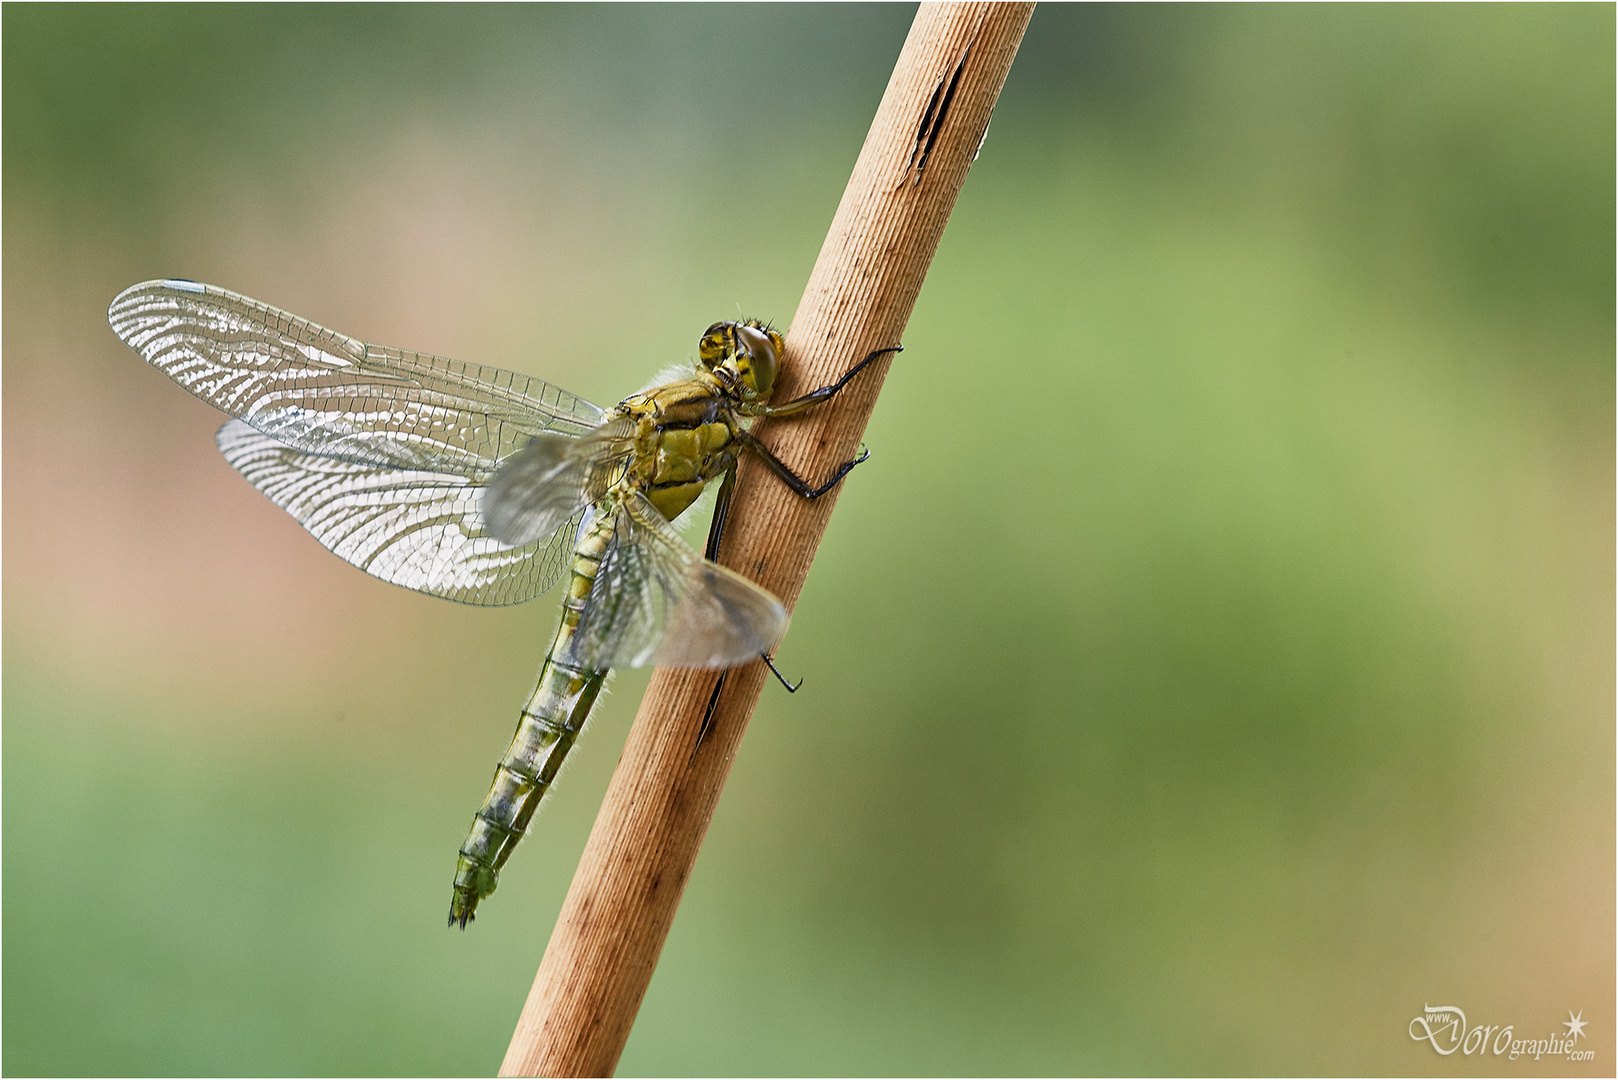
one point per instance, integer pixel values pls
(763, 359)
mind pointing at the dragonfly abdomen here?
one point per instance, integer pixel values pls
(546, 730)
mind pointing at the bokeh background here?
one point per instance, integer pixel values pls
(1213, 666)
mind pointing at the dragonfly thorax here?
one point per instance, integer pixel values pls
(684, 436)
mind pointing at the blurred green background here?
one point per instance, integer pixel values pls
(1213, 666)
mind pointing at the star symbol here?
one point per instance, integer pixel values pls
(1574, 1024)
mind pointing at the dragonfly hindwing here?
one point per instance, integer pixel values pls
(546, 482)
(413, 527)
(656, 600)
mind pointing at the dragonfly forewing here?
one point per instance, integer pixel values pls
(327, 393)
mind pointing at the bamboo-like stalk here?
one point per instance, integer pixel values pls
(617, 914)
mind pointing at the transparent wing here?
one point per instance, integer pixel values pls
(541, 485)
(413, 527)
(326, 393)
(656, 600)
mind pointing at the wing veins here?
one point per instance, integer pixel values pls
(287, 377)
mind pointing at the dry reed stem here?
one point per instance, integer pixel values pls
(629, 881)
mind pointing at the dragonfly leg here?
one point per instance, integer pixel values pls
(791, 479)
(814, 397)
(719, 686)
(721, 514)
(769, 662)
(716, 533)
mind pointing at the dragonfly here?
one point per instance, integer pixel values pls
(484, 486)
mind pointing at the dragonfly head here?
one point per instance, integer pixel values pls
(746, 355)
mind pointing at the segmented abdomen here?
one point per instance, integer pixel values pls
(546, 730)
